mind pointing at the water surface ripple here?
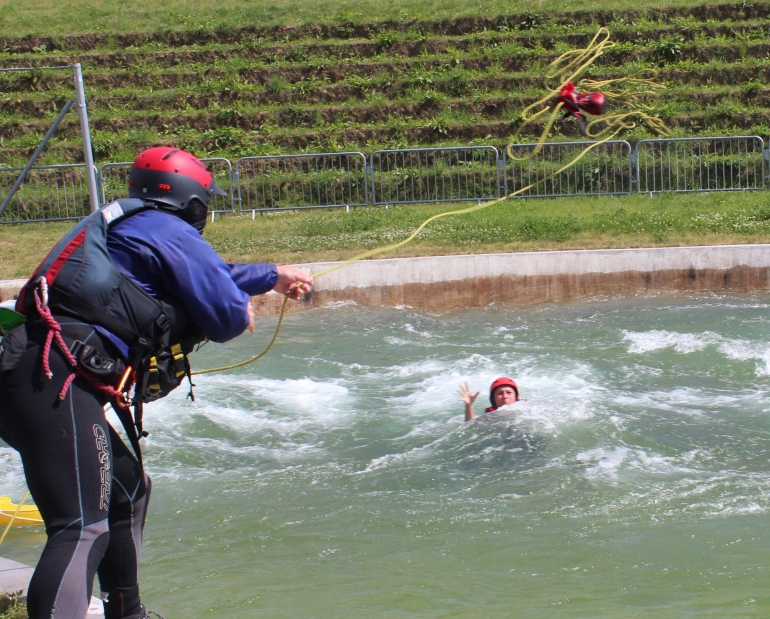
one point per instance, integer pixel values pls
(337, 479)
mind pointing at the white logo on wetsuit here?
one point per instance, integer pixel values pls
(104, 458)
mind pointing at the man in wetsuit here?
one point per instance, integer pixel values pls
(129, 286)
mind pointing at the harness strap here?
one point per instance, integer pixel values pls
(121, 409)
(130, 425)
(54, 334)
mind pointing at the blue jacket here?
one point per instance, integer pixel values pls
(165, 255)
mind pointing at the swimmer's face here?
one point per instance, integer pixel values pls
(505, 395)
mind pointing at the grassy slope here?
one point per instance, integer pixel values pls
(239, 88)
(518, 225)
(320, 235)
(58, 17)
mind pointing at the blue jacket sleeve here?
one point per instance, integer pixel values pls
(255, 277)
(165, 255)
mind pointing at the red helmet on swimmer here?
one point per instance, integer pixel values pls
(176, 181)
(503, 381)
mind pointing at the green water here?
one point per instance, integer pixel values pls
(337, 479)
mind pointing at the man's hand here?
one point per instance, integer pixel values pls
(292, 281)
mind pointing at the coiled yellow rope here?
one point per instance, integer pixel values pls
(568, 67)
(632, 93)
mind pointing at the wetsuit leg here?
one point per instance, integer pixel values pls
(119, 569)
(67, 456)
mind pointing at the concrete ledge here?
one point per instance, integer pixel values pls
(444, 282)
(15, 577)
(9, 288)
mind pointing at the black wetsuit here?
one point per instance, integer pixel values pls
(87, 484)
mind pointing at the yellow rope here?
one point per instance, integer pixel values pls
(583, 58)
(380, 250)
(568, 67)
(260, 355)
(13, 518)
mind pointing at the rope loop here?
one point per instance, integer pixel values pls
(54, 334)
(633, 90)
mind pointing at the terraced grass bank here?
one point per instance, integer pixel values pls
(244, 90)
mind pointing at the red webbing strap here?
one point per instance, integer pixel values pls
(54, 333)
(53, 270)
(58, 263)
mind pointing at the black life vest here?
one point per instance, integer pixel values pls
(84, 283)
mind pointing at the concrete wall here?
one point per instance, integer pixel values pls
(444, 282)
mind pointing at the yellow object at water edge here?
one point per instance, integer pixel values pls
(27, 514)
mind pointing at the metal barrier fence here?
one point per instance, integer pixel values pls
(701, 164)
(435, 175)
(49, 193)
(113, 179)
(301, 181)
(605, 169)
(406, 176)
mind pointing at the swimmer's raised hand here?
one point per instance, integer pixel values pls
(466, 395)
(469, 398)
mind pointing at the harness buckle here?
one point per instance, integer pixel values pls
(154, 378)
(77, 347)
(123, 400)
(164, 324)
(42, 290)
(179, 365)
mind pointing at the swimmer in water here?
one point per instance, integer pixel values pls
(502, 392)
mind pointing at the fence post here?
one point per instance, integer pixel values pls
(85, 131)
(633, 169)
(371, 197)
(100, 179)
(502, 177)
(235, 187)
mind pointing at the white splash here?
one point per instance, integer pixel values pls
(684, 343)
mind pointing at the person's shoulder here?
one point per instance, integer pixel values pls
(154, 224)
(156, 216)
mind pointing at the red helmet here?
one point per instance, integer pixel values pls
(176, 180)
(503, 381)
